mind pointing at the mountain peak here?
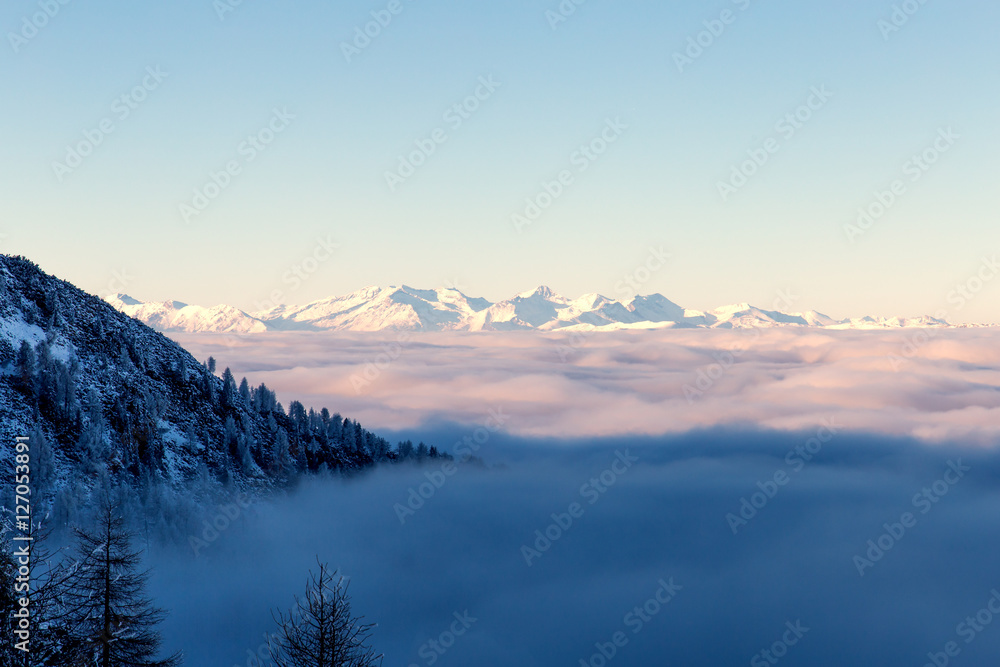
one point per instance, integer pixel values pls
(542, 291)
(124, 299)
(733, 308)
(177, 316)
(405, 308)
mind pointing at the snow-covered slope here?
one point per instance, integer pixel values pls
(377, 308)
(107, 400)
(410, 309)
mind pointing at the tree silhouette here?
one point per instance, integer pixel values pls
(110, 621)
(320, 631)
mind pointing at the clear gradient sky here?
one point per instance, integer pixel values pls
(450, 222)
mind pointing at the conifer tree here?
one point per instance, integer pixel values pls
(110, 621)
(320, 630)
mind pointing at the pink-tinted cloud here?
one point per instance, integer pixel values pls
(937, 387)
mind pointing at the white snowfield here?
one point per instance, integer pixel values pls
(409, 309)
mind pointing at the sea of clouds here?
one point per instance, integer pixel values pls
(821, 498)
(709, 548)
(936, 385)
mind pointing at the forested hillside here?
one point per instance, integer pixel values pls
(107, 401)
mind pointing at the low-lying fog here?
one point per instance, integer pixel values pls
(651, 545)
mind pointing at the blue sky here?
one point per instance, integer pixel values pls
(115, 223)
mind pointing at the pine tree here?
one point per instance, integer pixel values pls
(232, 439)
(110, 621)
(333, 430)
(25, 369)
(182, 370)
(208, 386)
(281, 458)
(320, 630)
(228, 388)
(245, 392)
(347, 434)
(43, 466)
(404, 449)
(8, 354)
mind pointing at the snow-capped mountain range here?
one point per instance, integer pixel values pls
(409, 309)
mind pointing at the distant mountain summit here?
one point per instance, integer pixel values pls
(409, 309)
(178, 316)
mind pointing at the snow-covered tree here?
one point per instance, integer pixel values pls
(229, 391)
(245, 393)
(43, 465)
(281, 458)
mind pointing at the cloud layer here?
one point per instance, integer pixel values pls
(628, 524)
(671, 497)
(937, 385)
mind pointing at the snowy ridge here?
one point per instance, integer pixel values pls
(178, 316)
(410, 309)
